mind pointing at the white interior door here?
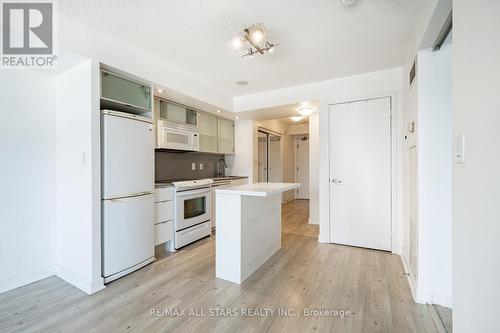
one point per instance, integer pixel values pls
(262, 158)
(360, 174)
(302, 166)
(275, 174)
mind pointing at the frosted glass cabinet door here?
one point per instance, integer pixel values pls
(177, 113)
(207, 126)
(118, 89)
(226, 136)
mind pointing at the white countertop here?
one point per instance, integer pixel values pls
(258, 189)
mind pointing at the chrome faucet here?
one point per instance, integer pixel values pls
(219, 173)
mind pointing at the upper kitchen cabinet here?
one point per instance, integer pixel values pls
(124, 94)
(207, 127)
(177, 113)
(225, 136)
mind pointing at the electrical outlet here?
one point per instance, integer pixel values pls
(193, 166)
(201, 166)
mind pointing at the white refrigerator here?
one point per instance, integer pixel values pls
(127, 149)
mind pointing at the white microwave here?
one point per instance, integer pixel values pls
(177, 136)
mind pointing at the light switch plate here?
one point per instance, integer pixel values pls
(193, 166)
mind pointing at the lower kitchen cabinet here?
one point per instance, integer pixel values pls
(164, 232)
(164, 215)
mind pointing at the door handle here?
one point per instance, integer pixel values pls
(337, 181)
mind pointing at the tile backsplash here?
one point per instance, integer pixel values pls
(178, 165)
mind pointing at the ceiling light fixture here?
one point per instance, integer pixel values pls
(160, 90)
(253, 40)
(296, 118)
(348, 3)
(237, 118)
(306, 110)
(218, 111)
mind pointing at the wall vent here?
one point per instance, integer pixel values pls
(413, 72)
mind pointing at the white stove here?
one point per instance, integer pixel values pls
(193, 210)
(192, 184)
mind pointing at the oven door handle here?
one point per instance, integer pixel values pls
(186, 193)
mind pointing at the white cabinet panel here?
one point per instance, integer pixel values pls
(164, 232)
(164, 194)
(164, 211)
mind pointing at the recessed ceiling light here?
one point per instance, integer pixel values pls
(306, 110)
(348, 3)
(160, 90)
(242, 83)
(296, 118)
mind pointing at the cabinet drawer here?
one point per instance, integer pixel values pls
(189, 235)
(164, 232)
(164, 211)
(164, 193)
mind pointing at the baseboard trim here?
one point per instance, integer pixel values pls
(26, 278)
(312, 221)
(424, 296)
(411, 281)
(88, 286)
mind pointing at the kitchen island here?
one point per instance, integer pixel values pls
(248, 224)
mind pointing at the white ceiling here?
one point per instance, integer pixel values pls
(319, 39)
(289, 121)
(281, 112)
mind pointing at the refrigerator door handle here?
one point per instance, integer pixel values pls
(132, 197)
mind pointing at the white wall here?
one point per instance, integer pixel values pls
(245, 160)
(82, 40)
(427, 104)
(375, 84)
(476, 183)
(299, 129)
(435, 176)
(78, 237)
(28, 185)
(314, 168)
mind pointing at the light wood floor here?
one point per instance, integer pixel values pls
(303, 274)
